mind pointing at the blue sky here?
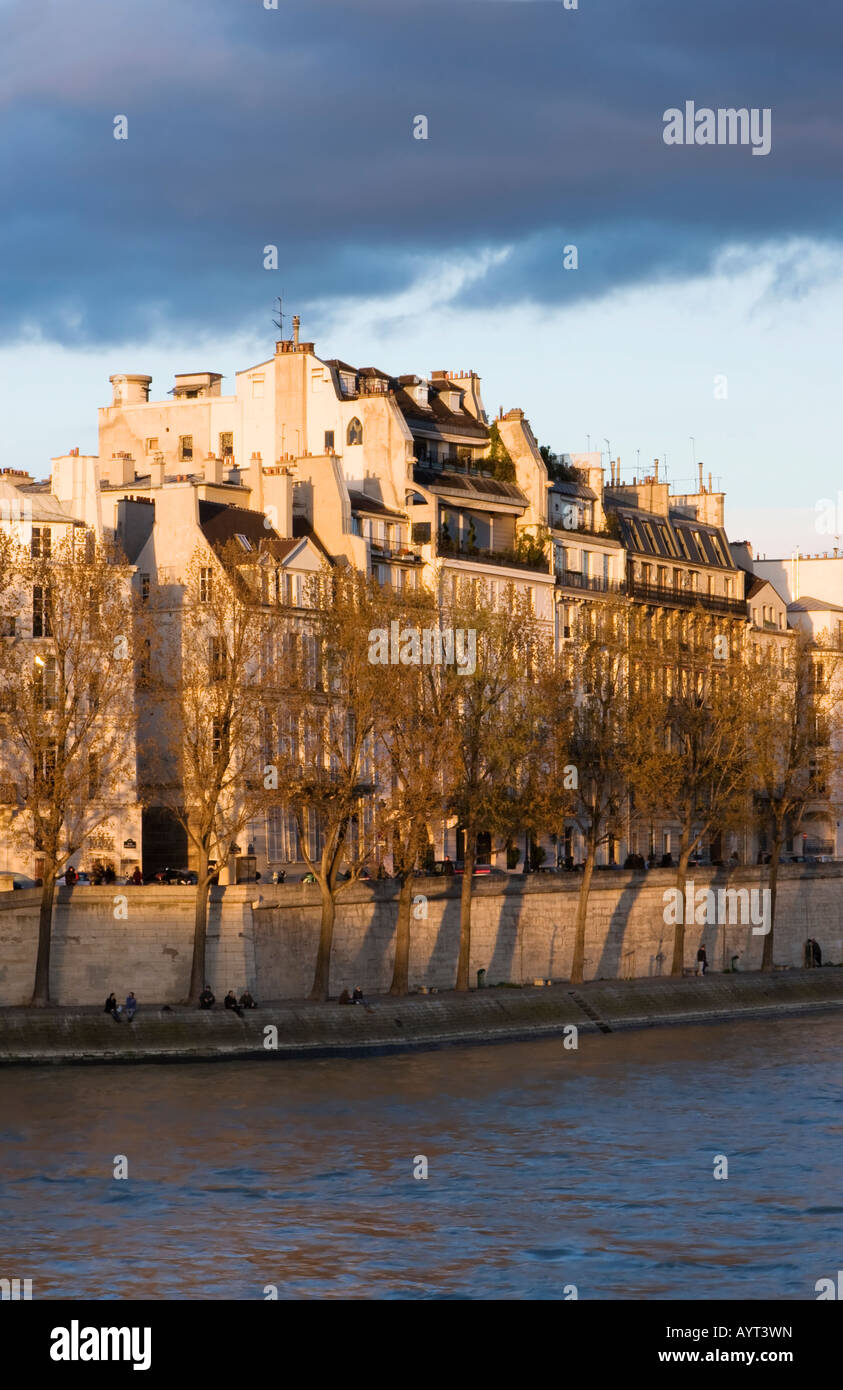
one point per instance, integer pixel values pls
(293, 127)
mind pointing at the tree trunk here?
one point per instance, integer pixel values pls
(41, 988)
(401, 967)
(578, 961)
(465, 909)
(678, 964)
(200, 930)
(767, 953)
(322, 973)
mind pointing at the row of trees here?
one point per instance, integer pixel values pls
(339, 712)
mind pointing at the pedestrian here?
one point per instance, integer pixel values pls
(447, 866)
(207, 1000)
(137, 877)
(702, 961)
(109, 875)
(246, 1000)
(230, 1002)
(112, 1007)
(70, 876)
(131, 1006)
(816, 953)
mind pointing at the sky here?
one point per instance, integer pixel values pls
(702, 318)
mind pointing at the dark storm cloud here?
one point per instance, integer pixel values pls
(293, 126)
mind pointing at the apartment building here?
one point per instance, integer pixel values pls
(44, 519)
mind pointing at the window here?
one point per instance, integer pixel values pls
(41, 542)
(354, 433)
(257, 388)
(217, 658)
(329, 441)
(205, 584)
(348, 383)
(144, 587)
(185, 448)
(683, 544)
(727, 584)
(226, 444)
(152, 445)
(718, 550)
(219, 737)
(46, 693)
(41, 624)
(45, 767)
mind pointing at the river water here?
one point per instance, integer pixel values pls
(547, 1168)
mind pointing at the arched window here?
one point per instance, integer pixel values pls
(354, 433)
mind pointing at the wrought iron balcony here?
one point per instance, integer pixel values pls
(667, 597)
(508, 558)
(592, 583)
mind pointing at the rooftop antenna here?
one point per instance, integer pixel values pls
(588, 443)
(279, 322)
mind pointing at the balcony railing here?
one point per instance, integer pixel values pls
(449, 550)
(686, 598)
(592, 583)
(411, 552)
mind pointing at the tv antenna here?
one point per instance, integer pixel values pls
(279, 322)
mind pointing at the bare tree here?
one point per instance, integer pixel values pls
(598, 669)
(415, 712)
(489, 730)
(67, 683)
(206, 685)
(329, 691)
(794, 741)
(689, 762)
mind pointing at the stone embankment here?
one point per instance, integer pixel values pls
(58, 1035)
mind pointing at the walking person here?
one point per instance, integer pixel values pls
(816, 952)
(702, 961)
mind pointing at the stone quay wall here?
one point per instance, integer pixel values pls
(265, 938)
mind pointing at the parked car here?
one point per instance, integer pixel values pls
(185, 876)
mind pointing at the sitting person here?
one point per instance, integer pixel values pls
(358, 998)
(112, 1007)
(207, 1000)
(345, 997)
(246, 1000)
(131, 1006)
(230, 1002)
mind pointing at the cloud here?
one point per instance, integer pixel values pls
(293, 127)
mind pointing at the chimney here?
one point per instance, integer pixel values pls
(656, 469)
(710, 488)
(278, 496)
(702, 486)
(213, 469)
(156, 471)
(130, 388)
(296, 327)
(121, 470)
